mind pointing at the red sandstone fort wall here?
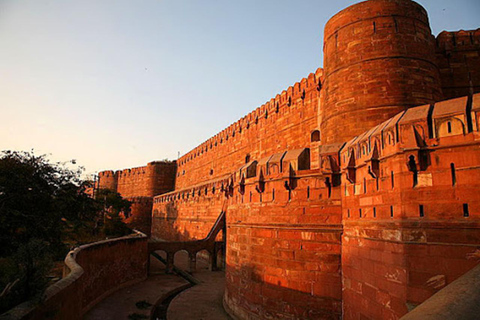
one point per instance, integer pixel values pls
(135, 182)
(384, 213)
(458, 58)
(283, 256)
(181, 217)
(412, 226)
(285, 122)
(379, 59)
(282, 253)
(139, 185)
(265, 231)
(155, 178)
(107, 180)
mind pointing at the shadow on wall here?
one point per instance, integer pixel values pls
(266, 297)
(188, 257)
(172, 213)
(255, 293)
(170, 231)
(193, 223)
(211, 242)
(273, 271)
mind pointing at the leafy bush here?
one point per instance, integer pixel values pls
(113, 206)
(42, 206)
(25, 273)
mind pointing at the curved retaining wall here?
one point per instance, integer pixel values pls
(283, 244)
(94, 271)
(283, 252)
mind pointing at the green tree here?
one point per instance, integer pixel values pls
(24, 274)
(113, 206)
(42, 205)
(37, 198)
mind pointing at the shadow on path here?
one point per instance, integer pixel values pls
(137, 302)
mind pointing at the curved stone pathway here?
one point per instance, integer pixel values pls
(203, 301)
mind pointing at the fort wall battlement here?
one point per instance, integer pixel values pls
(285, 122)
(466, 40)
(155, 178)
(233, 144)
(353, 193)
(408, 197)
(139, 185)
(458, 59)
(285, 242)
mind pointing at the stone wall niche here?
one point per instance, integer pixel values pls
(298, 159)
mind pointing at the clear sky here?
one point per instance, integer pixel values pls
(118, 83)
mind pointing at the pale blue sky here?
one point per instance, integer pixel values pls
(118, 83)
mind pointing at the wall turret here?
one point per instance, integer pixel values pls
(108, 180)
(379, 59)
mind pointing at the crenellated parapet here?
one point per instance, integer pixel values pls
(410, 194)
(351, 194)
(218, 185)
(107, 180)
(415, 135)
(284, 165)
(440, 124)
(293, 107)
(155, 178)
(283, 221)
(465, 40)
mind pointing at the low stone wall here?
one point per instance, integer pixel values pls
(94, 271)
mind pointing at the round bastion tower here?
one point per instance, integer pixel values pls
(379, 59)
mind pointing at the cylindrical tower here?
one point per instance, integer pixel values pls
(107, 180)
(379, 59)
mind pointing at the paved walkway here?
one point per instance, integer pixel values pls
(203, 301)
(123, 303)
